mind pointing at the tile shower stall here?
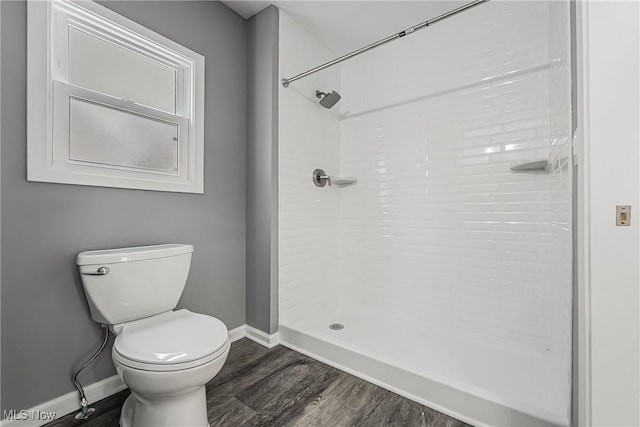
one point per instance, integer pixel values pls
(451, 274)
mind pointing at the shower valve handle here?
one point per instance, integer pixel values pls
(327, 177)
(320, 178)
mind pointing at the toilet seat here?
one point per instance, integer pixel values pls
(171, 341)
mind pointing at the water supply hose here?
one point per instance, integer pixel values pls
(85, 411)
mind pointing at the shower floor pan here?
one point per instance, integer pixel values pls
(480, 384)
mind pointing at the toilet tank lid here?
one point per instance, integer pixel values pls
(138, 253)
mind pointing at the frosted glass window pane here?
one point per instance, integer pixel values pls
(104, 67)
(105, 135)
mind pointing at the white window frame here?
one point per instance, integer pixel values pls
(49, 94)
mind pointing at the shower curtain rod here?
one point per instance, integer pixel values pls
(285, 82)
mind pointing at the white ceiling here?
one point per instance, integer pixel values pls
(246, 8)
(343, 26)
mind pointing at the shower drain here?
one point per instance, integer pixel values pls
(336, 326)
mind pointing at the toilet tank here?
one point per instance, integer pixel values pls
(127, 284)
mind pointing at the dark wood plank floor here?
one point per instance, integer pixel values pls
(280, 387)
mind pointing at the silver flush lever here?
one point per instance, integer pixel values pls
(100, 272)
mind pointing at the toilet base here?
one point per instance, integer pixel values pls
(126, 415)
(168, 398)
(188, 410)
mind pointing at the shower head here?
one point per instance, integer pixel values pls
(328, 100)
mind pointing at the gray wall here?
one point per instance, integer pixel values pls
(262, 171)
(46, 327)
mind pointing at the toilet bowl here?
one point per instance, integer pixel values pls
(164, 356)
(166, 360)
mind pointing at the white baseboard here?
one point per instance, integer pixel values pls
(238, 333)
(262, 338)
(60, 406)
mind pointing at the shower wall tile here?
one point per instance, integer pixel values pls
(438, 235)
(560, 189)
(439, 226)
(308, 215)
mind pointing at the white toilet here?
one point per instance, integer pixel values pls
(164, 356)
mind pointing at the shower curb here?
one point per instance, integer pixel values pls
(459, 404)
